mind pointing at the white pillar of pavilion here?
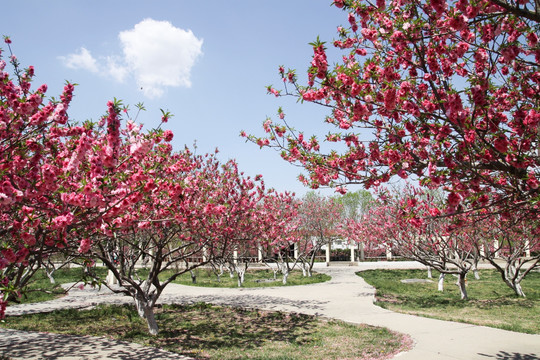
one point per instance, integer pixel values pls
(327, 254)
(259, 252)
(204, 253)
(388, 253)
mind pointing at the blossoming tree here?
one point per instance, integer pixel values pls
(62, 183)
(319, 225)
(192, 209)
(277, 219)
(111, 192)
(510, 244)
(409, 222)
(42, 201)
(444, 91)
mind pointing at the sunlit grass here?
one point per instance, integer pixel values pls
(40, 287)
(253, 278)
(491, 302)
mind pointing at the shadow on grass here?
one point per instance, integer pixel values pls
(204, 326)
(33, 345)
(424, 302)
(248, 301)
(187, 329)
(436, 301)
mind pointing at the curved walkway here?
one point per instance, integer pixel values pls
(346, 297)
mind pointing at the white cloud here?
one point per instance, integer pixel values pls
(156, 53)
(160, 55)
(116, 69)
(81, 60)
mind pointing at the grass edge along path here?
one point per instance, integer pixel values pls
(491, 303)
(41, 289)
(254, 278)
(208, 332)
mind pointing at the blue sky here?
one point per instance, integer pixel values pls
(207, 62)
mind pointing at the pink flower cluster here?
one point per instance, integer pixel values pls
(319, 62)
(85, 246)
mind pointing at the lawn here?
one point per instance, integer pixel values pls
(207, 331)
(41, 289)
(491, 302)
(253, 278)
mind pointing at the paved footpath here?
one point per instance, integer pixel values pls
(346, 297)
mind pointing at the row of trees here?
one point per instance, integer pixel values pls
(410, 223)
(108, 191)
(445, 93)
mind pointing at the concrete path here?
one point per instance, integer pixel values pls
(346, 297)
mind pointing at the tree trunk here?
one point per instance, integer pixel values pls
(50, 276)
(193, 277)
(146, 311)
(508, 275)
(517, 289)
(429, 275)
(440, 285)
(240, 277)
(221, 271)
(462, 284)
(285, 276)
(512, 280)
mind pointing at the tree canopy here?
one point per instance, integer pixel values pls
(446, 92)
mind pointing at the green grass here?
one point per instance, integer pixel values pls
(491, 302)
(206, 331)
(41, 289)
(253, 278)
